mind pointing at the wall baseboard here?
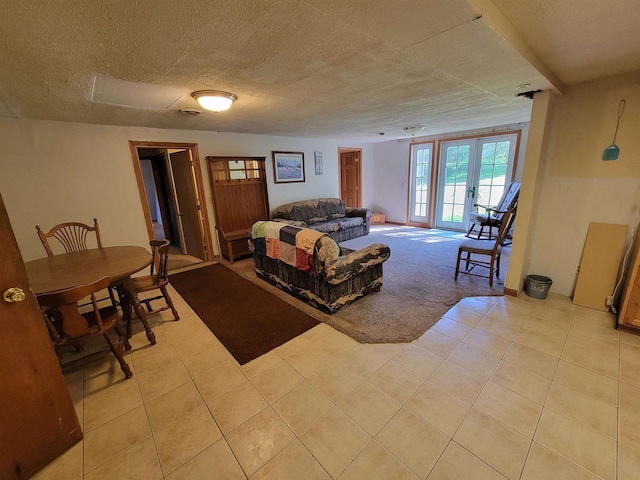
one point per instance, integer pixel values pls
(396, 223)
(511, 292)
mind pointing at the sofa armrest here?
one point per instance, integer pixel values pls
(293, 223)
(348, 266)
(359, 212)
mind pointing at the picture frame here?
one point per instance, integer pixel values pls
(317, 156)
(288, 167)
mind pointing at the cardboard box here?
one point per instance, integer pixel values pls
(377, 219)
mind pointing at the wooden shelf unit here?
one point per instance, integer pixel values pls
(239, 189)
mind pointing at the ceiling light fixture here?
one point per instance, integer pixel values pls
(214, 100)
(522, 86)
(413, 130)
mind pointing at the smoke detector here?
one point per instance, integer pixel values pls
(191, 112)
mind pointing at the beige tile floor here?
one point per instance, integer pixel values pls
(498, 388)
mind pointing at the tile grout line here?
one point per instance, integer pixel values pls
(544, 406)
(476, 399)
(535, 430)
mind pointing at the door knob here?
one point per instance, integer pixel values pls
(14, 294)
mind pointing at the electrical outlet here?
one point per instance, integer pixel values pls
(609, 300)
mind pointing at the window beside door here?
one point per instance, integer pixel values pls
(420, 182)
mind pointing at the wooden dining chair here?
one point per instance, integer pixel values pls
(486, 248)
(72, 236)
(67, 326)
(157, 279)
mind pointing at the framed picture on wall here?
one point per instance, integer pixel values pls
(318, 162)
(288, 167)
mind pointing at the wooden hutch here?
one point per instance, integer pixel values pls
(239, 188)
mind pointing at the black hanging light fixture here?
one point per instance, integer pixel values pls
(612, 152)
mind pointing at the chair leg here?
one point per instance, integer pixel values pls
(147, 303)
(491, 271)
(498, 266)
(466, 265)
(170, 303)
(129, 325)
(143, 318)
(480, 232)
(114, 302)
(470, 231)
(118, 353)
(122, 334)
(458, 263)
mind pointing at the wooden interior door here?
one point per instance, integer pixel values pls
(350, 178)
(37, 418)
(188, 204)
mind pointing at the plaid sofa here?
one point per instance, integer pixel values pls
(326, 215)
(313, 267)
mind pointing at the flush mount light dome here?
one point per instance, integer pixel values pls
(413, 130)
(214, 100)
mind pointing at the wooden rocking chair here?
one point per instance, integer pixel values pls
(493, 216)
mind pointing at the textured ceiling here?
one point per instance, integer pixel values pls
(579, 40)
(324, 68)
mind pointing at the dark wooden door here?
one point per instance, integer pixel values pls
(188, 204)
(37, 418)
(350, 178)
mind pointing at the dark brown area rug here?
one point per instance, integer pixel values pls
(248, 320)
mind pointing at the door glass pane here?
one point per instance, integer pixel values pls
(493, 172)
(455, 183)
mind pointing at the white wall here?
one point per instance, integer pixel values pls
(577, 187)
(54, 172)
(391, 172)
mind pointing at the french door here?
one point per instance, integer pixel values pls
(420, 190)
(472, 171)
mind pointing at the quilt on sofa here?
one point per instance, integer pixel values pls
(320, 272)
(291, 245)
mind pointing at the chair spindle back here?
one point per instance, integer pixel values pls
(160, 254)
(72, 236)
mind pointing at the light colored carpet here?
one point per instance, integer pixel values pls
(418, 286)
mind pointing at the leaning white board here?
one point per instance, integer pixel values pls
(601, 259)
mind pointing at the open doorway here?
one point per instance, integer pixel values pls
(172, 197)
(351, 176)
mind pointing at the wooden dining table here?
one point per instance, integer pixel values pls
(67, 270)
